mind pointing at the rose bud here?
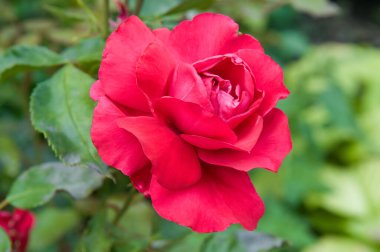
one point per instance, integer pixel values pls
(17, 225)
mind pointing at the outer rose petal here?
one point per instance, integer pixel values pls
(174, 169)
(202, 37)
(162, 34)
(96, 90)
(116, 147)
(271, 148)
(269, 78)
(153, 70)
(243, 41)
(222, 197)
(141, 179)
(189, 118)
(118, 67)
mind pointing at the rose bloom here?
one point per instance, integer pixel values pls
(17, 225)
(187, 113)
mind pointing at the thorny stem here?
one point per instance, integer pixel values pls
(125, 206)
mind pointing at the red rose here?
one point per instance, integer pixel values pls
(17, 225)
(187, 113)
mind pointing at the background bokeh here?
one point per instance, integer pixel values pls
(326, 196)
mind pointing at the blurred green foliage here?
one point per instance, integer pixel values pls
(324, 198)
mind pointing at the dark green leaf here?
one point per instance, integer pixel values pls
(38, 184)
(61, 109)
(27, 57)
(5, 244)
(280, 220)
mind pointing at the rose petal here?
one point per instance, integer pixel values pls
(222, 197)
(235, 120)
(162, 34)
(188, 86)
(96, 90)
(118, 67)
(141, 179)
(271, 148)
(229, 67)
(243, 41)
(174, 169)
(153, 70)
(117, 147)
(268, 76)
(202, 37)
(247, 134)
(190, 118)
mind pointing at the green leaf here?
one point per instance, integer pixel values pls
(25, 57)
(38, 184)
(224, 242)
(157, 8)
(280, 220)
(87, 51)
(256, 241)
(61, 109)
(191, 242)
(5, 243)
(171, 7)
(52, 224)
(188, 5)
(97, 239)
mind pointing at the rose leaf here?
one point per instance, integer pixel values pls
(61, 109)
(38, 184)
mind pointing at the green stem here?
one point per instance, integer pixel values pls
(106, 11)
(139, 4)
(3, 204)
(125, 206)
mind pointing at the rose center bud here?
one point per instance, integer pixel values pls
(229, 84)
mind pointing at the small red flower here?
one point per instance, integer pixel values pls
(187, 113)
(17, 225)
